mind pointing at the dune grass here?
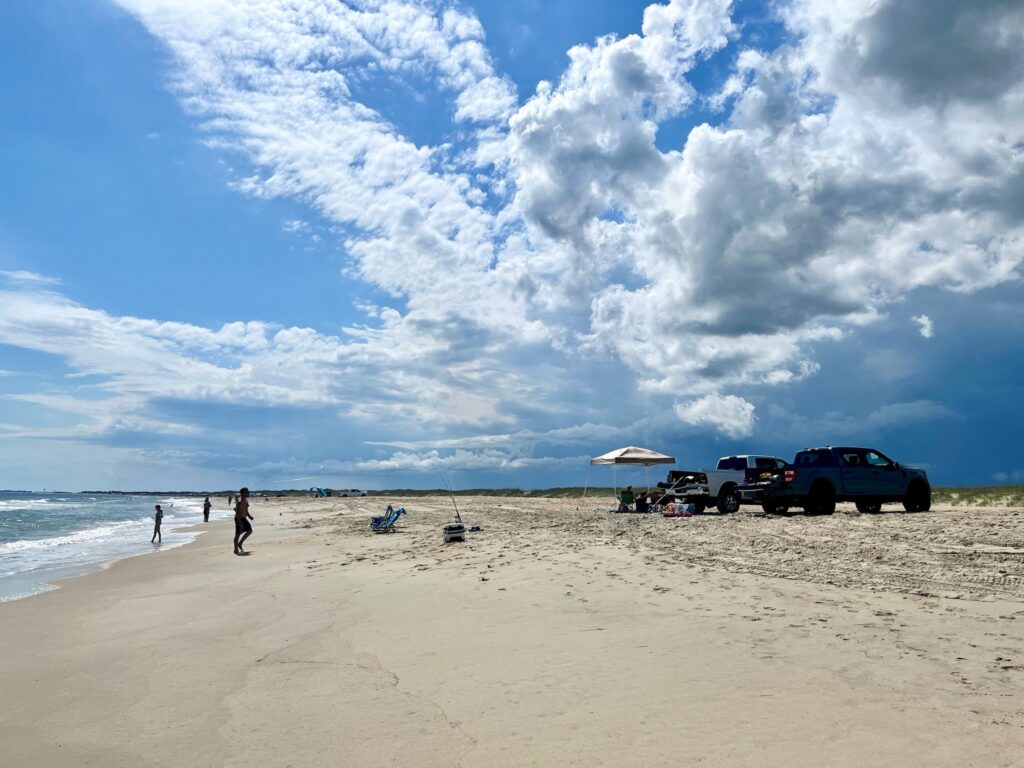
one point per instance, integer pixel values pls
(996, 496)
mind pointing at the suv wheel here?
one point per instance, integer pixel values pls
(822, 499)
(728, 500)
(919, 497)
(869, 507)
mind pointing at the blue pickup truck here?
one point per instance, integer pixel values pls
(820, 477)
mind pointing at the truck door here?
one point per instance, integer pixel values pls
(886, 479)
(855, 472)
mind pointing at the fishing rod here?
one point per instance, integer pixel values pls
(451, 493)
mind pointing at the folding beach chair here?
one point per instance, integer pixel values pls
(386, 523)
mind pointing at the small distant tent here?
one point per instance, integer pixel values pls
(641, 457)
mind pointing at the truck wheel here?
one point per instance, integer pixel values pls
(919, 497)
(822, 499)
(774, 507)
(728, 500)
(869, 507)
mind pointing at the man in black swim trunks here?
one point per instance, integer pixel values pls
(242, 517)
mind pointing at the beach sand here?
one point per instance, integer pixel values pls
(558, 635)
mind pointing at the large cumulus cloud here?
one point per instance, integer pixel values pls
(879, 151)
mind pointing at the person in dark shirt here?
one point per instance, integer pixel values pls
(243, 530)
(157, 519)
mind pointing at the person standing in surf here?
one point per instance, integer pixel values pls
(243, 530)
(206, 510)
(157, 519)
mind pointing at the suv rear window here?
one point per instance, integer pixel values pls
(733, 462)
(763, 462)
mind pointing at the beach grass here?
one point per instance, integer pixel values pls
(997, 495)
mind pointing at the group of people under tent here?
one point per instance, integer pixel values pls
(631, 502)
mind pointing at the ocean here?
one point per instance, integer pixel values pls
(49, 536)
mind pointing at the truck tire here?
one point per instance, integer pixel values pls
(869, 507)
(774, 507)
(919, 497)
(728, 499)
(822, 499)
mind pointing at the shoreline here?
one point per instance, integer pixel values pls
(551, 637)
(47, 577)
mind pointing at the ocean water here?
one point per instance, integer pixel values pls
(49, 536)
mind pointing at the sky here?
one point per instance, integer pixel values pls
(398, 243)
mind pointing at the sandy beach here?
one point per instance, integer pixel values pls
(557, 635)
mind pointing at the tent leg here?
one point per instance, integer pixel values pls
(586, 483)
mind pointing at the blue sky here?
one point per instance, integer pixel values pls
(286, 244)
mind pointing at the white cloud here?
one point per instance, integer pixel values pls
(22, 277)
(731, 415)
(927, 329)
(141, 360)
(485, 100)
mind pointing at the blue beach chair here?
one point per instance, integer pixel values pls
(386, 523)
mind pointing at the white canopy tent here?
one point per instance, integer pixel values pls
(641, 457)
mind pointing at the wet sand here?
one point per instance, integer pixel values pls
(557, 635)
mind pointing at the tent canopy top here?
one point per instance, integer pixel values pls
(633, 455)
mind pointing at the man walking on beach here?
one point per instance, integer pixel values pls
(242, 517)
(157, 519)
(206, 510)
